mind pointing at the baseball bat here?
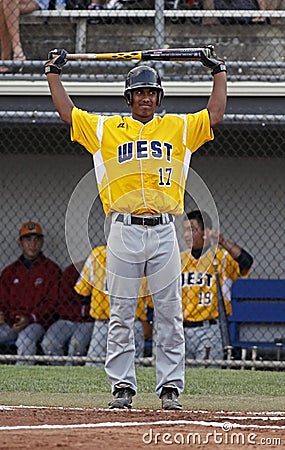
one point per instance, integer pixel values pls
(175, 54)
(223, 319)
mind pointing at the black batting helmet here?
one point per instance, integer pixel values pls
(143, 77)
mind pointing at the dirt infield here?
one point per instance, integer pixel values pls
(100, 429)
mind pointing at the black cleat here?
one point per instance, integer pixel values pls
(169, 398)
(122, 399)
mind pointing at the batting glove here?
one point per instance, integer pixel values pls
(56, 60)
(213, 62)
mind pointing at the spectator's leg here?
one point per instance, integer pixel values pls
(6, 46)
(80, 339)
(139, 338)
(281, 6)
(56, 338)
(191, 342)
(262, 6)
(12, 11)
(7, 334)
(98, 343)
(210, 338)
(27, 341)
(273, 5)
(209, 5)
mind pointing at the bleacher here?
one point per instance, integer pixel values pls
(258, 319)
(253, 52)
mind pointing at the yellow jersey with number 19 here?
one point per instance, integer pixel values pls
(141, 168)
(199, 288)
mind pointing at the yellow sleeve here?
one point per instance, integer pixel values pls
(199, 130)
(84, 129)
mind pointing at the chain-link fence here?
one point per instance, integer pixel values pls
(251, 41)
(47, 179)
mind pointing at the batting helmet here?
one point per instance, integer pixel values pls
(143, 77)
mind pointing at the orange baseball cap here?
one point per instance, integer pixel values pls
(31, 228)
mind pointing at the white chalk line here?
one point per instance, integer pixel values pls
(137, 424)
(266, 415)
(59, 408)
(266, 418)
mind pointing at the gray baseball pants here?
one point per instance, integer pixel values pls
(132, 251)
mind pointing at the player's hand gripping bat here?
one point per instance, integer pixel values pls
(223, 319)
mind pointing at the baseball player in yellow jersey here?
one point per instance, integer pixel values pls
(199, 289)
(141, 163)
(93, 282)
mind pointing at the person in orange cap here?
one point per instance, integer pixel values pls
(28, 293)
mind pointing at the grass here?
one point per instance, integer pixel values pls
(242, 390)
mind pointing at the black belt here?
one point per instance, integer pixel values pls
(147, 221)
(189, 324)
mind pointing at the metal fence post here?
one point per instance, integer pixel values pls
(159, 23)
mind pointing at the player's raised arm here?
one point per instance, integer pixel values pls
(61, 99)
(218, 99)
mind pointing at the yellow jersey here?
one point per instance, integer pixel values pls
(199, 289)
(141, 168)
(93, 282)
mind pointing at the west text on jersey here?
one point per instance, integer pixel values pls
(196, 279)
(143, 149)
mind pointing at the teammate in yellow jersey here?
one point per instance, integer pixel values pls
(93, 282)
(199, 289)
(141, 163)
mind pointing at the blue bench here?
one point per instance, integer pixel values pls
(258, 318)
